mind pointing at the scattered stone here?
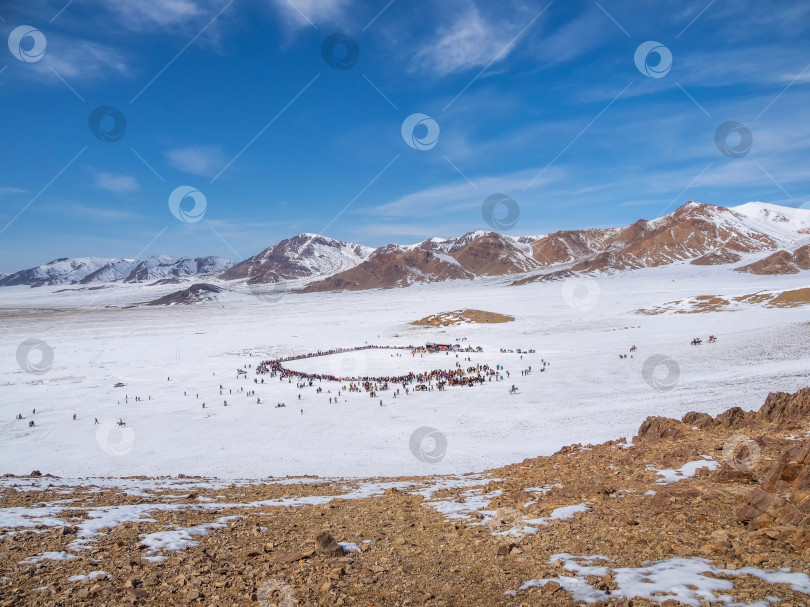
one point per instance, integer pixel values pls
(326, 545)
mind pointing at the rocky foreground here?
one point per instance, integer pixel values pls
(698, 512)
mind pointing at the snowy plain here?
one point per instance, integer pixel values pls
(586, 395)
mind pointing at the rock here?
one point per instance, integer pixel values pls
(727, 475)
(326, 545)
(732, 418)
(550, 587)
(701, 420)
(787, 410)
(781, 504)
(289, 557)
(657, 428)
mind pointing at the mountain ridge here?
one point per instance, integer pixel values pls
(701, 234)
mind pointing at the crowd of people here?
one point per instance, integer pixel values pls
(458, 376)
(435, 379)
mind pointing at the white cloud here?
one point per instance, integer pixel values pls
(9, 190)
(461, 195)
(77, 60)
(575, 38)
(468, 41)
(202, 160)
(120, 184)
(137, 14)
(76, 209)
(299, 14)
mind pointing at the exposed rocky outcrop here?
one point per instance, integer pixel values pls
(788, 411)
(781, 504)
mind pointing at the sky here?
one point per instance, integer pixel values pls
(219, 127)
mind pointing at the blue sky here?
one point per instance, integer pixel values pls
(542, 102)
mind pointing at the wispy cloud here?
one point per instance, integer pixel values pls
(575, 38)
(78, 61)
(9, 190)
(468, 39)
(300, 14)
(202, 160)
(120, 184)
(462, 195)
(142, 14)
(78, 210)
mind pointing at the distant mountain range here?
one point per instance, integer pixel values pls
(90, 270)
(762, 238)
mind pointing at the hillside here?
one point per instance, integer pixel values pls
(692, 512)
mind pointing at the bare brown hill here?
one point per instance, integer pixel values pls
(392, 267)
(781, 262)
(494, 255)
(693, 231)
(460, 317)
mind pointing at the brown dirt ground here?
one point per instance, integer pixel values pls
(411, 554)
(458, 317)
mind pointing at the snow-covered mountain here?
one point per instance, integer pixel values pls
(701, 234)
(58, 272)
(302, 256)
(90, 270)
(162, 266)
